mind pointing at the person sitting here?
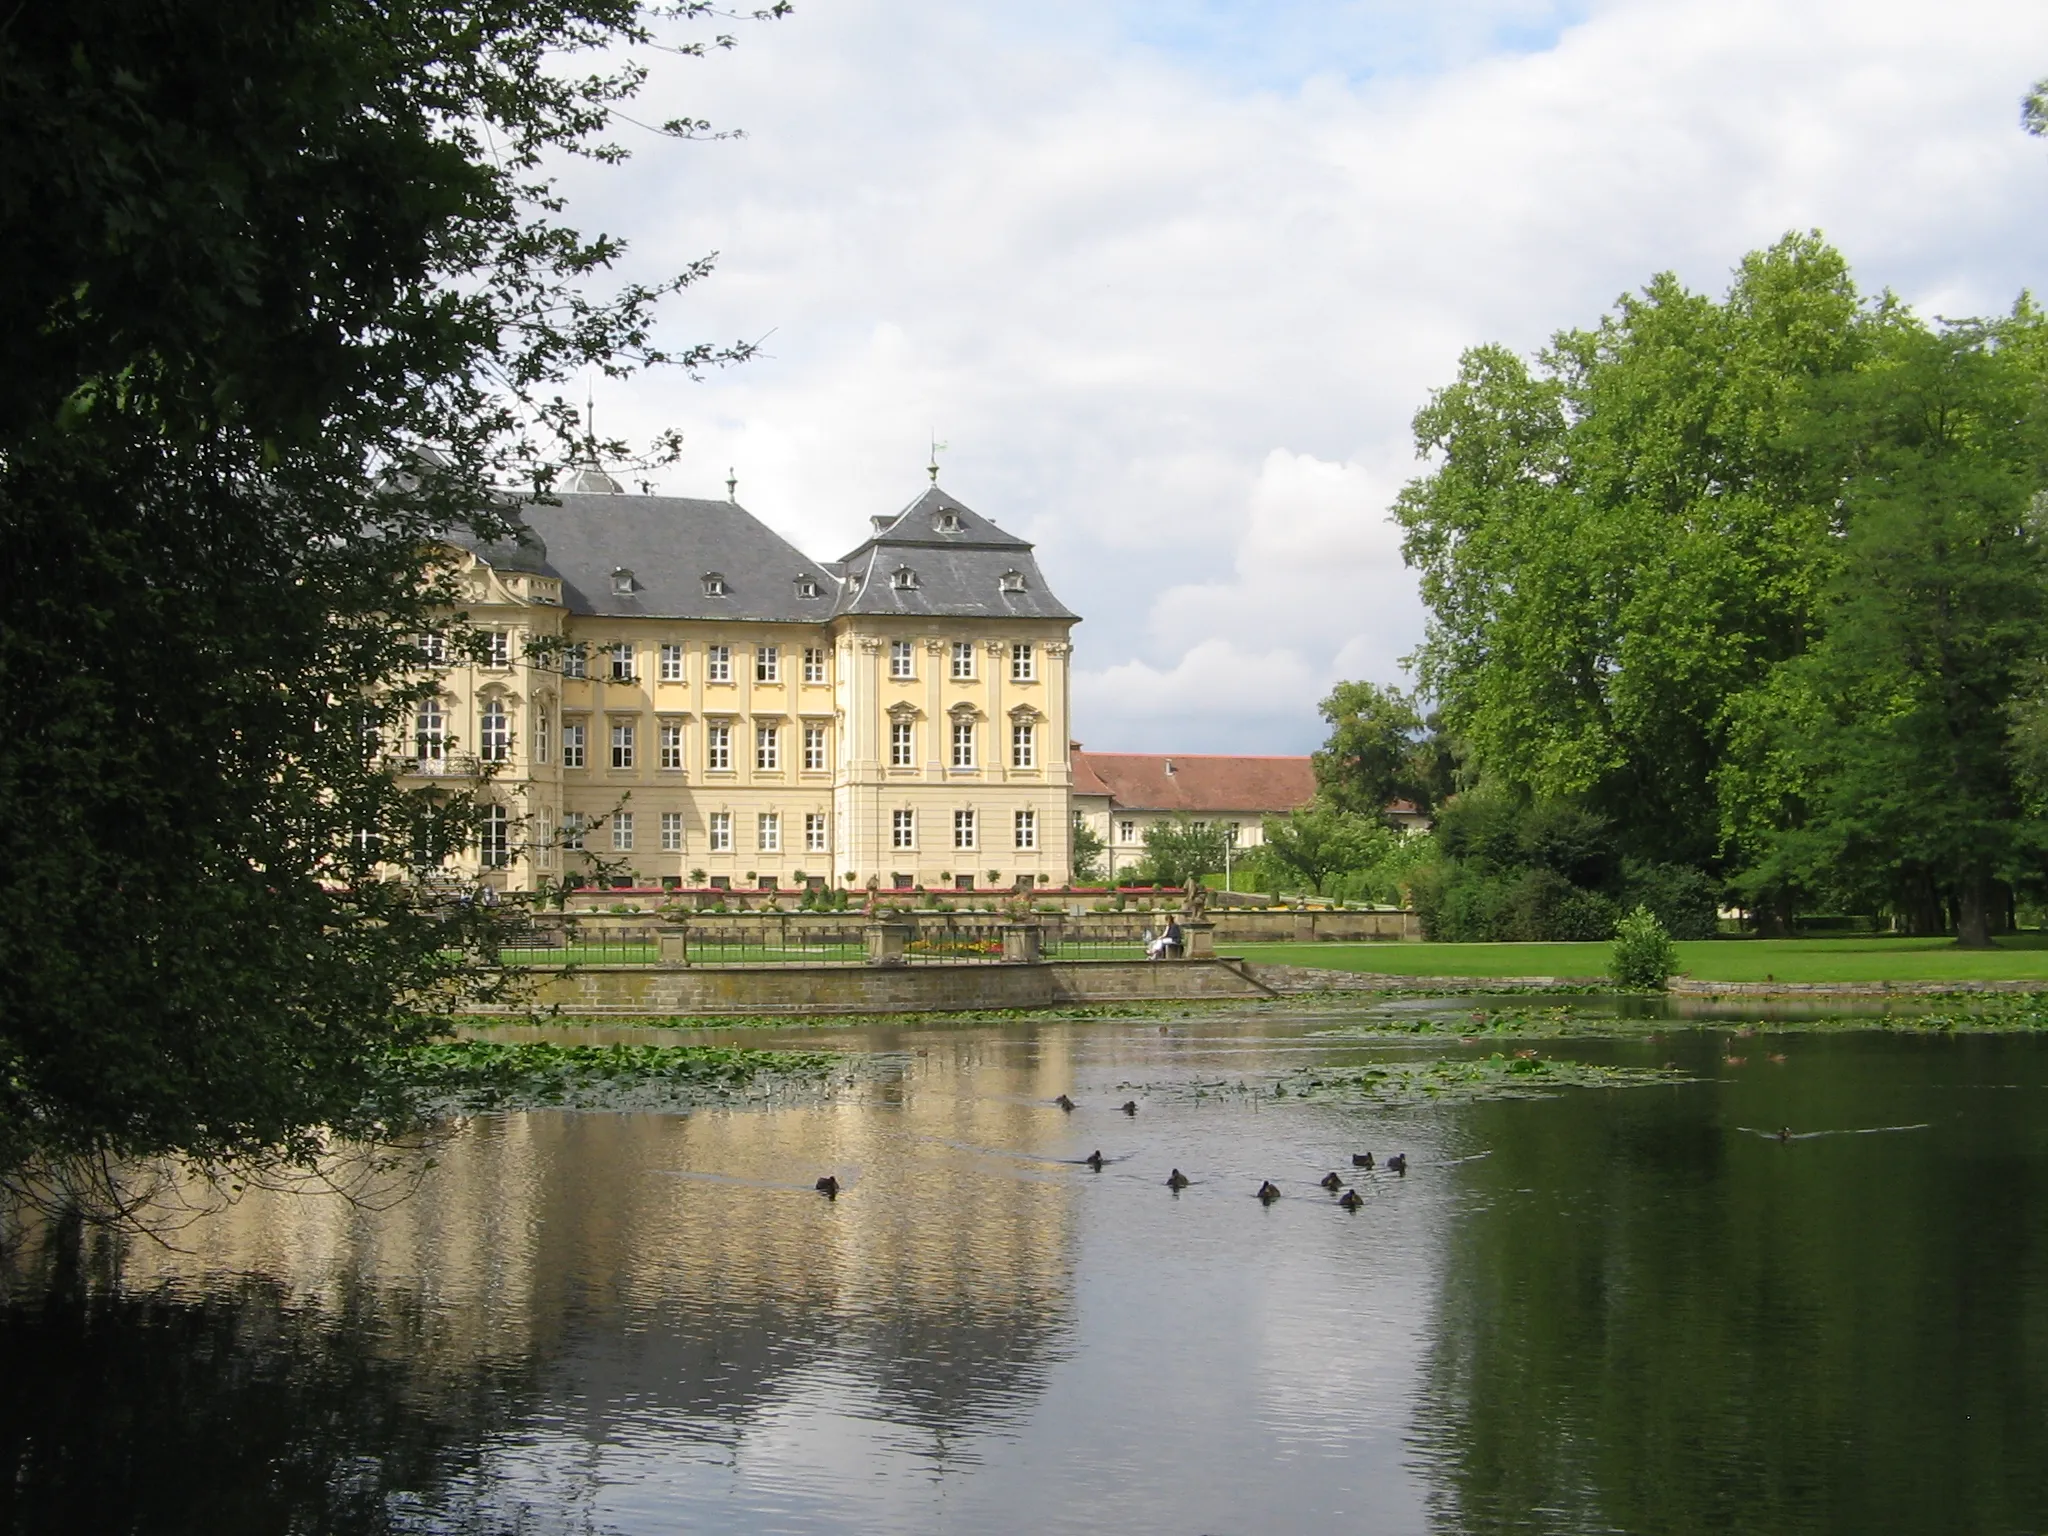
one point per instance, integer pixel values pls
(1172, 942)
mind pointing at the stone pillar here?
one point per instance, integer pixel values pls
(886, 942)
(1022, 943)
(675, 944)
(1201, 940)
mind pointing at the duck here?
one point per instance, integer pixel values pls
(1784, 1133)
(1065, 1103)
(1350, 1200)
(828, 1187)
(1361, 1159)
(1130, 1106)
(1269, 1191)
(1398, 1163)
(1176, 1181)
(1331, 1182)
(1094, 1160)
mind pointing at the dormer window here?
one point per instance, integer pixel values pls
(1013, 581)
(622, 582)
(807, 587)
(903, 579)
(714, 584)
(948, 521)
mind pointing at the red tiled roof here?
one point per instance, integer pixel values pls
(1141, 782)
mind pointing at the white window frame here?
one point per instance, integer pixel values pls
(718, 746)
(575, 829)
(625, 745)
(623, 661)
(902, 661)
(1024, 744)
(494, 838)
(540, 735)
(1023, 662)
(434, 648)
(544, 838)
(814, 664)
(963, 743)
(903, 829)
(671, 663)
(767, 748)
(575, 744)
(767, 663)
(717, 663)
(963, 661)
(815, 752)
(768, 831)
(575, 659)
(498, 648)
(494, 732)
(430, 731)
(622, 831)
(902, 744)
(1127, 832)
(1026, 827)
(719, 828)
(670, 738)
(671, 831)
(964, 830)
(815, 829)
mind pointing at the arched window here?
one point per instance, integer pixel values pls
(494, 732)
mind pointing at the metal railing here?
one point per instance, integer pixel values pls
(954, 940)
(578, 944)
(783, 940)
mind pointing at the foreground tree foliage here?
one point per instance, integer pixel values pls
(254, 258)
(1756, 582)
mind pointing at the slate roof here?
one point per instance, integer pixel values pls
(669, 545)
(958, 561)
(1195, 783)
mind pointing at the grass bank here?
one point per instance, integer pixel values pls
(2017, 957)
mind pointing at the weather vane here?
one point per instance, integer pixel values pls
(933, 468)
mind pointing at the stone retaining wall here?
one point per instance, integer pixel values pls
(745, 989)
(1287, 979)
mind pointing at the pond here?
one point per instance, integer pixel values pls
(1597, 1309)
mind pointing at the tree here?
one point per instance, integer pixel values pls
(284, 293)
(1087, 855)
(1618, 543)
(1377, 751)
(1319, 841)
(1897, 730)
(1181, 852)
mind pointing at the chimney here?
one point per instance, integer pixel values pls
(1169, 767)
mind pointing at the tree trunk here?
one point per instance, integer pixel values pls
(1973, 913)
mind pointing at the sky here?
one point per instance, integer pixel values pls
(1170, 278)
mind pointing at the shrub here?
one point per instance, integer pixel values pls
(1643, 954)
(1684, 899)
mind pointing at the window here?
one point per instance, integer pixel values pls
(718, 745)
(963, 743)
(575, 736)
(814, 831)
(430, 732)
(721, 831)
(948, 521)
(574, 825)
(498, 648)
(576, 660)
(622, 582)
(434, 650)
(1127, 831)
(622, 831)
(622, 744)
(671, 831)
(1013, 581)
(900, 659)
(1023, 744)
(717, 663)
(807, 587)
(903, 579)
(540, 736)
(714, 584)
(767, 747)
(814, 748)
(963, 661)
(1232, 831)
(814, 664)
(494, 838)
(768, 832)
(767, 663)
(494, 733)
(963, 829)
(903, 829)
(671, 744)
(1023, 662)
(671, 664)
(544, 839)
(902, 748)
(622, 663)
(1027, 829)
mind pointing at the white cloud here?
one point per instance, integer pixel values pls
(1173, 316)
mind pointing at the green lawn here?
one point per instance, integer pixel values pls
(2018, 957)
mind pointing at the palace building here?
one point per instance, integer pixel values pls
(708, 705)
